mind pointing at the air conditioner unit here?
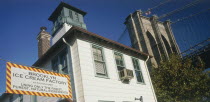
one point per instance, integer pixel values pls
(126, 74)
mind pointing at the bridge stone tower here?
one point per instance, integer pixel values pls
(151, 36)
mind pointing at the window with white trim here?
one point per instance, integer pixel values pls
(119, 61)
(70, 14)
(99, 61)
(76, 16)
(138, 71)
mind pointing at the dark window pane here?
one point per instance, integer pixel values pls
(59, 63)
(120, 68)
(55, 64)
(139, 76)
(137, 70)
(63, 60)
(77, 16)
(70, 14)
(119, 61)
(65, 70)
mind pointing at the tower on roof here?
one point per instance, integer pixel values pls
(64, 17)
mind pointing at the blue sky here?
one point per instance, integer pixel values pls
(21, 21)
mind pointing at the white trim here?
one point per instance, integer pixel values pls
(104, 58)
(149, 78)
(140, 69)
(113, 51)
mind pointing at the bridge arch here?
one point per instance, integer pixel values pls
(167, 45)
(154, 46)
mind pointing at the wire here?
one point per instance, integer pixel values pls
(207, 40)
(160, 4)
(180, 9)
(154, 1)
(124, 32)
(5, 60)
(192, 15)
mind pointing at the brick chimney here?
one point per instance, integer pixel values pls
(43, 41)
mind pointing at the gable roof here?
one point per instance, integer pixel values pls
(71, 33)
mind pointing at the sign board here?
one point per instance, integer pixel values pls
(32, 81)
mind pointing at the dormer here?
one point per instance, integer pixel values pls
(64, 17)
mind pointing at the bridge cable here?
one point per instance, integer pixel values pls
(157, 6)
(192, 15)
(180, 9)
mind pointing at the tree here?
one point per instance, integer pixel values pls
(178, 80)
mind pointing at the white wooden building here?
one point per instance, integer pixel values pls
(101, 70)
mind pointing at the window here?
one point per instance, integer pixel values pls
(21, 97)
(55, 23)
(137, 70)
(55, 64)
(119, 61)
(63, 62)
(70, 14)
(59, 63)
(99, 61)
(59, 19)
(77, 16)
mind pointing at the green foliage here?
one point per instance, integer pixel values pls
(178, 80)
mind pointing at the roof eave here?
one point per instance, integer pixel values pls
(59, 8)
(70, 32)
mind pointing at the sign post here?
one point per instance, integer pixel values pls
(31, 81)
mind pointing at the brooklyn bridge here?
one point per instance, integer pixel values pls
(200, 50)
(190, 26)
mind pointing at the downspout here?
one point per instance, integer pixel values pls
(70, 100)
(66, 42)
(153, 91)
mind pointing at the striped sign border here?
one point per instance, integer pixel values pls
(8, 82)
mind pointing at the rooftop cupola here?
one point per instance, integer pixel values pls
(64, 17)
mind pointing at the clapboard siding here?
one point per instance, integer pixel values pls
(77, 72)
(90, 88)
(111, 88)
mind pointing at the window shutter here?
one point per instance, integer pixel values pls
(100, 68)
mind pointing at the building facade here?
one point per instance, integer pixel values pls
(94, 66)
(101, 70)
(151, 36)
